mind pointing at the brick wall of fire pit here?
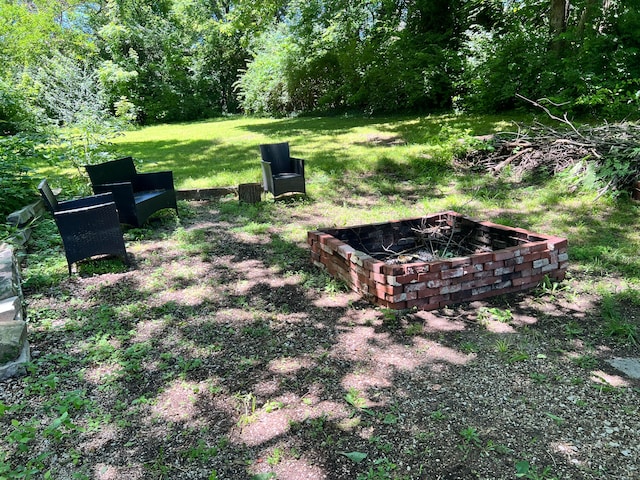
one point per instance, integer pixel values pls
(488, 259)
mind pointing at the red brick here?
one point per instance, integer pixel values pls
(503, 271)
(345, 251)
(407, 278)
(485, 281)
(454, 273)
(378, 277)
(506, 253)
(460, 262)
(437, 267)
(493, 265)
(383, 289)
(436, 283)
(425, 277)
(483, 274)
(557, 243)
(373, 265)
(538, 246)
(448, 289)
(523, 266)
(393, 270)
(414, 287)
(510, 262)
(391, 305)
(482, 258)
(532, 257)
(401, 297)
(428, 292)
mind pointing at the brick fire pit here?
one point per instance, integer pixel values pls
(437, 260)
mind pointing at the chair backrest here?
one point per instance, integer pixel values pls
(50, 200)
(277, 154)
(115, 171)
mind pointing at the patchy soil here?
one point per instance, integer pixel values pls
(221, 353)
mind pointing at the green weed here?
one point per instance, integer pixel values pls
(525, 470)
(355, 399)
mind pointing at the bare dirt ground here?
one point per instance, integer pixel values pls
(222, 353)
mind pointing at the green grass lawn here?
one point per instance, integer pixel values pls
(373, 169)
(224, 152)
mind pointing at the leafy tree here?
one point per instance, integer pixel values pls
(173, 60)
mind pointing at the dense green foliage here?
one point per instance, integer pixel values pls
(178, 60)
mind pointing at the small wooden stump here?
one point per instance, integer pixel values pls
(250, 192)
(635, 194)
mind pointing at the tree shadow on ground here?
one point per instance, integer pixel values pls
(225, 350)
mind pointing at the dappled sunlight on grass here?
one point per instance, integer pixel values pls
(222, 348)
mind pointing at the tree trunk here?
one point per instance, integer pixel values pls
(558, 16)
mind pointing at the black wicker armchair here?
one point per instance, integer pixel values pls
(137, 195)
(88, 226)
(281, 173)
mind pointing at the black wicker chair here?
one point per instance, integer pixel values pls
(88, 226)
(137, 195)
(281, 173)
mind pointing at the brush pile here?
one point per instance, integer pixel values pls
(610, 153)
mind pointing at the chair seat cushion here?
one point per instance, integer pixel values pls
(141, 197)
(287, 175)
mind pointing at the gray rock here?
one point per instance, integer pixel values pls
(23, 216)
(10, 310)
(629, 366)
(13, 336)
(17, 367)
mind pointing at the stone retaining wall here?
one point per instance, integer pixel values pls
(14, 346)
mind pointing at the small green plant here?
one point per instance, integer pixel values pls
(355, 399)
(494, 313)
(275, 457)
(502, 346)
(525, 470)
(550, 287)
(470, 436)
(518, 356)
(573, 329)
(539, 378)
(201, 451)
(588, 362)
(615, 325)
(272, 406)
(438, 415)
(335, 286)
(414, 329)
(390, 317)
(469, 347)
(382, 469)
(557, 420)
(247, 405)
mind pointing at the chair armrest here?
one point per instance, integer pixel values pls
(84, 215)
(85, 202)
(153, 181)
(267, 176)
(298, 165)
(122, 191)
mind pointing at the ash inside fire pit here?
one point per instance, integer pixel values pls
(438, 259)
